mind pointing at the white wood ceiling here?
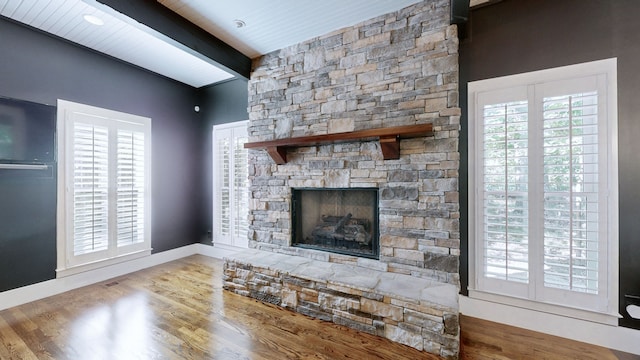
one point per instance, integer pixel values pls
(275, 24)
(119, 37)
(270, 25)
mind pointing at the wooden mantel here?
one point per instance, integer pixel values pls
(389, 139)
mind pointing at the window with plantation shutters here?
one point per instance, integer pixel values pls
(104, 186)
(230, 185)
(543, 195)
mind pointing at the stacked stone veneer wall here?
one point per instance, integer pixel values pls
(393, 70)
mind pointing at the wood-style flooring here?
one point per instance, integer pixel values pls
(178, 310)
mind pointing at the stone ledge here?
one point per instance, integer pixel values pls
(413, 311)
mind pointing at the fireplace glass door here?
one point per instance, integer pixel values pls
(343, 221)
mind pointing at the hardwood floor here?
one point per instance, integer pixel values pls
(178, 310)
(488, 340)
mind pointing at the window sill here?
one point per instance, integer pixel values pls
(582, 314)
(72, 270)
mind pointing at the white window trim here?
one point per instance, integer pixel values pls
(65, 266)
(609, 68)
(217, 240)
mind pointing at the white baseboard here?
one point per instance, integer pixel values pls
(612, 337)
(218, 251)
(25, 294)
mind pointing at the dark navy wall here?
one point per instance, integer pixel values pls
(515, 36)
(37, 67)
(220, 104)
(225, 102)
(27, 227)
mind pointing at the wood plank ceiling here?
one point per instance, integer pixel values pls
(269, 26)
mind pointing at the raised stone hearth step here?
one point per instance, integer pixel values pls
(413, 311)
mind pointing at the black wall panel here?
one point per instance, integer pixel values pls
(27, 227)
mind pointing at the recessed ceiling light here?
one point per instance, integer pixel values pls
(92, 19)
(239, 23)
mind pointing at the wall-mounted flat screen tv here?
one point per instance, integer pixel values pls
(27, 132)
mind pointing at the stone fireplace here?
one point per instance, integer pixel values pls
(394, 70)
(342, 221)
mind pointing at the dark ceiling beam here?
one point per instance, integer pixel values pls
(459, 11)
(159, 18)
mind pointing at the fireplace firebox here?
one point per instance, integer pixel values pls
(343, 221)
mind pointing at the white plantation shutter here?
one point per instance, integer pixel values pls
(543, 177)
(131, 187)
(106, 196)
(230, 195)
(241, 183)
(223, 187)
(506, 214)
(570, 146)
(91, 186)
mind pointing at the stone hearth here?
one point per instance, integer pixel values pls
(416, 312)
(394, 70)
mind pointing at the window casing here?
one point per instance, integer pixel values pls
(230, 185)
(543, 189)
(104, 187)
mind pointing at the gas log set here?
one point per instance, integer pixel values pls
(342, 232)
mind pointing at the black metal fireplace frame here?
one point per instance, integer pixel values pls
(296, 226)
